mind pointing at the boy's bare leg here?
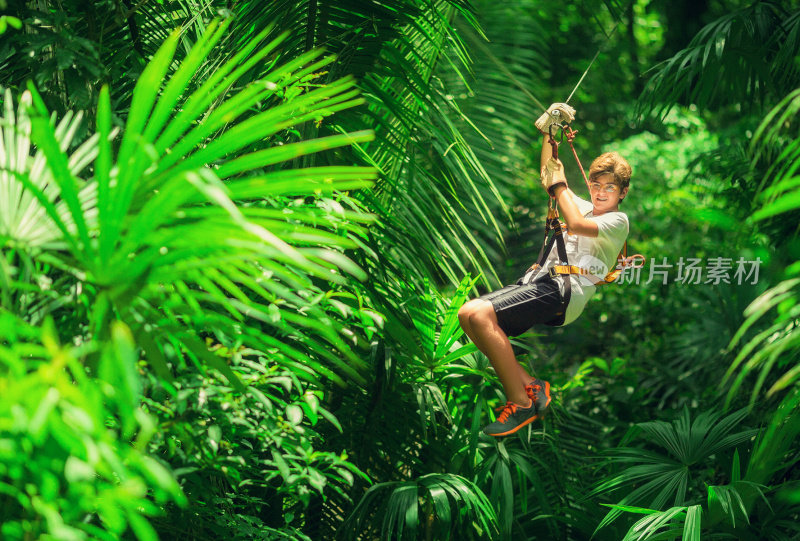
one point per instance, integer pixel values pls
(480, 324)
(466, 325)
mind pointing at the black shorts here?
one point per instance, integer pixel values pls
(521, 306)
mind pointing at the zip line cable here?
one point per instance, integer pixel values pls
(519, 85)
(608, 37)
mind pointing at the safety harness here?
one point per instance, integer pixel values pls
(555, 229)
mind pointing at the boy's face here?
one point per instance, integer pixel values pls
(605, 193)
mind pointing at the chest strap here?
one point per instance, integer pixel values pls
(572, 269)
(623, 262)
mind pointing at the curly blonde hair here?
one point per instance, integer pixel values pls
(613, 163)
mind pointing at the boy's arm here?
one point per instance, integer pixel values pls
(576, 223)
(555, 182)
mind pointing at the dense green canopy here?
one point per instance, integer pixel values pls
(235, 236)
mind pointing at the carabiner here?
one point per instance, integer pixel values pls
(553, 137)
(631, 262)
(553, 142)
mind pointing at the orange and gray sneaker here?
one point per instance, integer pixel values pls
(539, 392)
(512, 418)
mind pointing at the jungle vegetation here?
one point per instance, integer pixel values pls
(234, 237)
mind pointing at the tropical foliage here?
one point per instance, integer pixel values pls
(235, 236)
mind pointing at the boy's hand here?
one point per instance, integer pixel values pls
(553, 175)
(556, 114)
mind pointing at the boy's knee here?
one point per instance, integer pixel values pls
(467, 313)
(468, 308)
(482, 314)
(464, 314)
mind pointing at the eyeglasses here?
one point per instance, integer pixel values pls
(608, 188)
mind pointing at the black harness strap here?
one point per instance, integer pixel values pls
(554, 234)
(561, 249)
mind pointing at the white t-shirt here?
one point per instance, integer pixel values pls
(596, 254)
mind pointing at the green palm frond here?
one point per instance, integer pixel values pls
(743, 57)
(498, 110)
(24, 221)
(776, 132)
(768, 341)
(775, 343)
(687, 522)
(519, 481)
(668, 474)
(435, 319)
(173, 222)
(412, 115)
(447, 348)
(355, 31)
(728, 500)
(693, 355)
(665, 524)
(437, 506)
(765, 357)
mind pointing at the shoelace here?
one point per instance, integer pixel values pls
(532, 392)
(508, 409)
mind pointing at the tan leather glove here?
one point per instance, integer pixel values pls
(553, 175)
(555, 114)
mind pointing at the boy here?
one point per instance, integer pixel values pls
(596, 234)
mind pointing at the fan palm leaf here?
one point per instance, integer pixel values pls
(139, 237)
(665, 524)
(663, 476)
(452, 507)
(22, 218)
